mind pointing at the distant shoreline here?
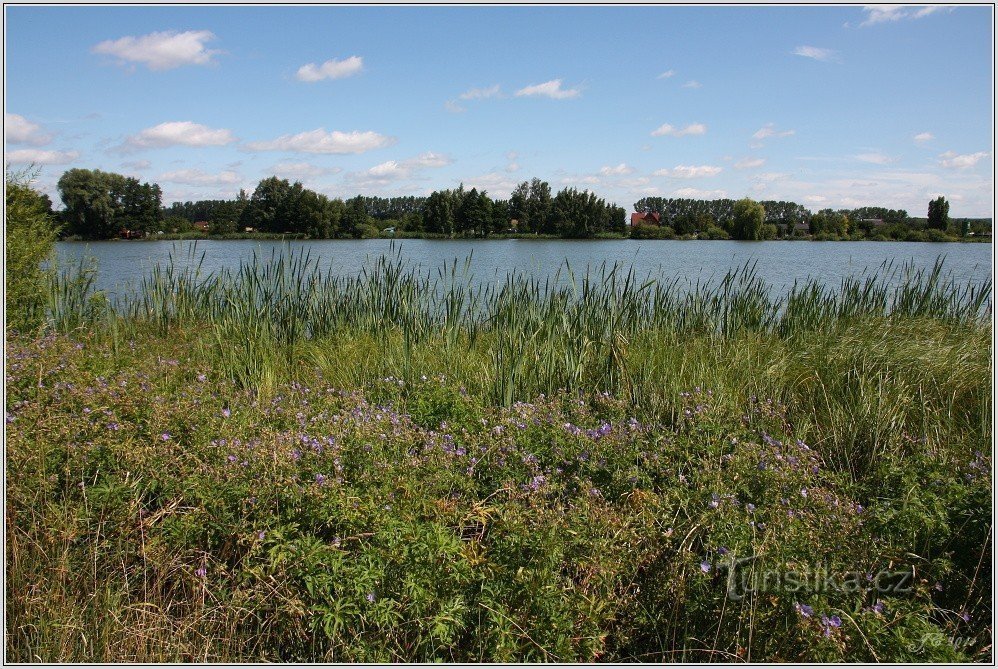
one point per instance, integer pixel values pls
(499, 238)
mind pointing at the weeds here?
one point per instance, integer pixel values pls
(275, 464)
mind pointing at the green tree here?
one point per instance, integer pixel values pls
(438, 212)
(748, 218)
(474, 213)
(518, 207)
(355, 219)
(938, 214)
(224, 219)
(141, 206)
(30, 236)
(539, 205)
(267, 207)
(92, 203)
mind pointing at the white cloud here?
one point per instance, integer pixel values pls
(769, 130)
(667, 74)
(429, 159)
(331, 69)
(749, 163)
(177, 133)
(480, 93)
(389, 169)
(395, 170)
(19, 130)
(924, 137)
(875, 158)
(692, 84)
(882, 14)
(453, 107)
(689, 171)
(161, 50)
(815, 199)
(136, 165)
(550, 89)
(771, 176)
(925, 11)
(40, 157)
(589, 180)
(692, 129)
(622, 168)
(961, 162)
(890, 13)
(320, 141)
(817, 53)
(700, 194)
(497, 185)
(513, 166)
(195, 177)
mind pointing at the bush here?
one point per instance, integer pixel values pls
(938, 236)
(31, 233)
(652, 232)
(714, 232)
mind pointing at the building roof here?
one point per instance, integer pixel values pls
(650, 217)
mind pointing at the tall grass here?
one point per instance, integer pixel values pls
(568, 331)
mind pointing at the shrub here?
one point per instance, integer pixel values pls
(31, 233)
(652, 232)
(715, 232)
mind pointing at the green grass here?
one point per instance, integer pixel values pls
(408, 466)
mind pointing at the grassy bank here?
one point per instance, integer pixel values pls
(273, 464)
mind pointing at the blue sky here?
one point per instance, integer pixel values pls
(827, 106)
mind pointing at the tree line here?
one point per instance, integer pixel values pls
(104, 205)
(101, 205)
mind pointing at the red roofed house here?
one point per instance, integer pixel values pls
(651, 218)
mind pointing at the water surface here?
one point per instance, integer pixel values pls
(780, 263)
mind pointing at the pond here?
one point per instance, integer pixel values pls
(122, 263)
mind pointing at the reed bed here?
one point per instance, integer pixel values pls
(562, 332)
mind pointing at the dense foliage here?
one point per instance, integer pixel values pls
(30, 238)
(276, 466)
(102, 205)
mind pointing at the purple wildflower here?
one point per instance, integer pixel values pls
(201, 572)
(705, 567)
(165, 436)
(804, 610)
(370, 597)
(260, 535)
(715, 499)
(722, 550)
(232, 458)
(226, 412)
(964, 616)
(750, 507)
(878, 607)
(320, 479)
